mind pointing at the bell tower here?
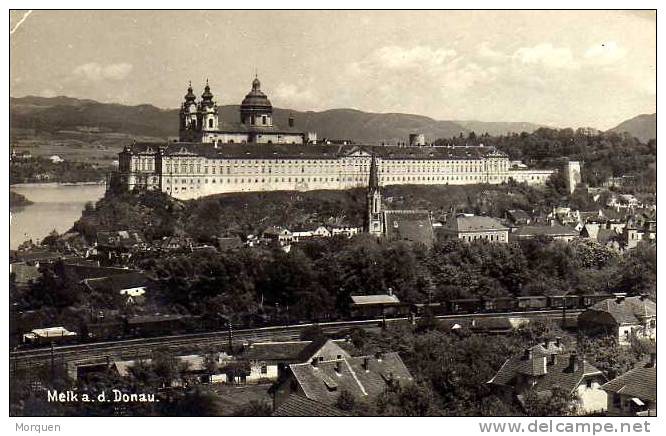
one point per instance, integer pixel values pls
(208, 110)
(189, 115)
(374, 217)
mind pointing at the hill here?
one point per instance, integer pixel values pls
(496, 128)
(643, 127)
(72, 117)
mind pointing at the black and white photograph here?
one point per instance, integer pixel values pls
(333, 213)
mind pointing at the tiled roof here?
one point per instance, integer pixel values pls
(297, 405)
(324, 383)
(556, 230)
(375, 299)
(464, 223)
(627, 310)
(118, 282)
(639, 382)
(409, 225)
(311, 151)
(546, 374)
(121, 238)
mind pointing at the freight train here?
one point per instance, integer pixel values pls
(162, 325)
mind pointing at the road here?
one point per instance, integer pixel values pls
(127, 349)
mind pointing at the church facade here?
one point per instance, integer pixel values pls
(215, 156)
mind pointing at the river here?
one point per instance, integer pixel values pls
(55, 206)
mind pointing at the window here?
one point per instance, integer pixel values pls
(264, 369)
(210, 122)
(263, 119)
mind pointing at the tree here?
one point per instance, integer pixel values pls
(254, 408)
(555, 402)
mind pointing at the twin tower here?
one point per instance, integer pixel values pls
(200, 120)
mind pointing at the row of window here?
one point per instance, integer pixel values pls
(327, 179)
(491, 237)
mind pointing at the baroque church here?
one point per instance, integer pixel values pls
(200, 121)
(252, 154)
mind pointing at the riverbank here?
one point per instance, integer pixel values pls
(17, 200)
(53, 206)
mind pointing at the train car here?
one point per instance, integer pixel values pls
(436, 309)
(155, 325)
(588, 300)
(564, 301)
(465, 305)
(499, 304)
(532, 303)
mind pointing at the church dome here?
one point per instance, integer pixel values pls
(256, 101)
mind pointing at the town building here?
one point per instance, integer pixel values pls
(541, 368)
(48, 335)
(468, 228)
(621, 317)
(218, 156)
(375, 305)
(268, 361)
(634, 393)
(363, 377)
(556, 232)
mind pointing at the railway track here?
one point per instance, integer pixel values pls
(144, 347)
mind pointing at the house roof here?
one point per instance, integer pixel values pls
(639, 382)
(409, 225)
(552, 231)
(121, 238)
(118, 282)
(296, 405)
(324, 383)
(374, 299)
(473, 223)
(311, 151)
(546, 375)
(627, 310)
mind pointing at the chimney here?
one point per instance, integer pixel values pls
(573, 362)
(291, 120)
(390, 291)
(546, 343)
(315, 362)
(558, 341)
(366, 363)
(338, 366)
(528, 354)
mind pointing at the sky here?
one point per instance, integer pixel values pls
(559, 68)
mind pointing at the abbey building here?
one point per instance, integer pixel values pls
(252, 153)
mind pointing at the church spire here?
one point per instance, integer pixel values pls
(374, 176)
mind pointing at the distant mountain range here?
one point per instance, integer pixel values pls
(643, 127)
(65, 114)
(59, 114)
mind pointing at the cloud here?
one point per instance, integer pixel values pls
(395, 57)
(605, 53)
(291, 95)
(547, 55)
(95, 72)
